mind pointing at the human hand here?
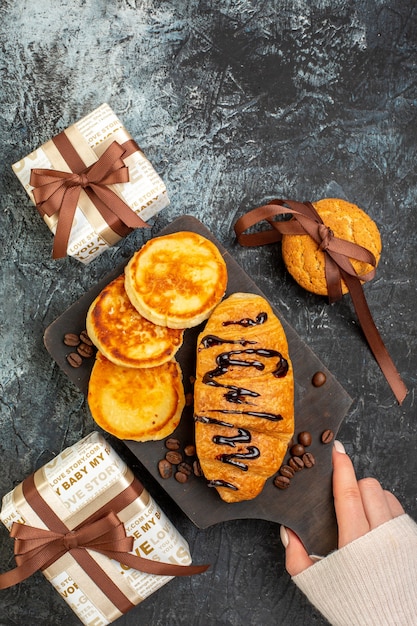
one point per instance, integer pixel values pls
(360, 506)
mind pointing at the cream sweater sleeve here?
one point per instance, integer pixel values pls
(371, 581)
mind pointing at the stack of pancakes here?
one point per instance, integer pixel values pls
(137, 324)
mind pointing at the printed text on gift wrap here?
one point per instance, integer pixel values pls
(89, 475)
(86, 477)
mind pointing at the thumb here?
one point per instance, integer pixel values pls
(296, 557)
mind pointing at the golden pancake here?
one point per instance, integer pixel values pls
(138, 404)
(243, 397)
(125, 337)
(176, 280)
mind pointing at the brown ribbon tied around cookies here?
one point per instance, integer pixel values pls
(305, 220)
(58, 192)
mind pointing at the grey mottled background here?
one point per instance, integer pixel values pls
(234, 103)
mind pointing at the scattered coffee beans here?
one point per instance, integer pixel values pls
(319, 379)
(282, 482)
(74, 359)
(327, 436)
(82, 343)
(181, 477)
(308, 460)
(296, 463)
(286, 470)
(165, 468)
(297, 450)
(174, 457)
(305, 438)
(189, 450)
(185, 468)
(299, 459)
(72, 340)
(180, 469)
(85, 350)
(189, 399)
(172, 444)
(197, 468)
(85, 338)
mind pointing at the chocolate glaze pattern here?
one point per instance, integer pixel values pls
(247, 321)
(238, 395)
(235, 394)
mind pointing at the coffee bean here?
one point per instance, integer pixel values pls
(181, 477)
(319, 379)
(188, 399)
(327, 436)
(287, 471)
(282, 482)
(174, 457)
(197, 468)
(172, 444)
(308, 460)
(85, 338)
(165, 468)
(71, 339)
(85, 350)
(189, 450)
(297, 450)
(74, 359)
(185, 468)
(296, 463)
(304, 438)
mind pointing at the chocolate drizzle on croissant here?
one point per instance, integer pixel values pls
(243, 403)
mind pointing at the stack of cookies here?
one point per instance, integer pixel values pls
(137, 324)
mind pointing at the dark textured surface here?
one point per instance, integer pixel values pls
(233, 106)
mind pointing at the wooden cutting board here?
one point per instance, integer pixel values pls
(307, 505)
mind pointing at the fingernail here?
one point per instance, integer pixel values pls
(284, 536)
(339, 446)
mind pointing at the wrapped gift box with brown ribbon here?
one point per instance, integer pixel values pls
(94, 531)
(92, 185)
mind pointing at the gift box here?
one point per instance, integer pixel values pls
(94, 531)
(92, 185)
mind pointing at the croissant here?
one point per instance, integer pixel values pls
(243, 397)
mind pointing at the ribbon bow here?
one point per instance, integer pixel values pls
(337, 253)
(36, 548)
(58, 192)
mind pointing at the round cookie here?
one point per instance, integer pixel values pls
(305, 261)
